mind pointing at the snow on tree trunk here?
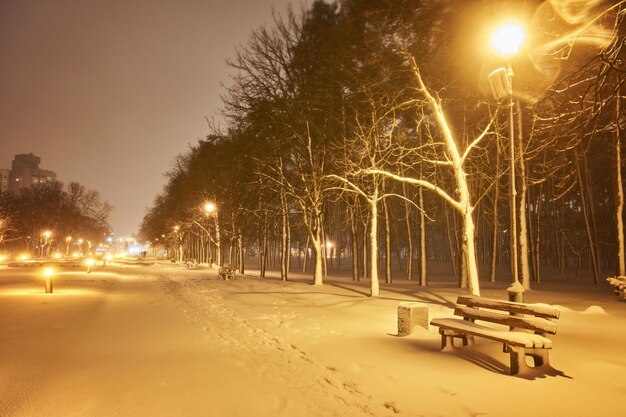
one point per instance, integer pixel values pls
(464, 205)
(407, 218)
(355, 246)
(318, 277)
(388, 276)
(523, 228)
(284, 254)
(374, 287)
(423, 271)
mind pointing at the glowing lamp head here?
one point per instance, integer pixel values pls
(508, 39)
(2, 258)
(89, 262)
(108, 256)
(57, 255)
(46, 234)
(48, 272)
(23, 257)
(209, 207)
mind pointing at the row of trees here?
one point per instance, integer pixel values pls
(365, 129)
(70, 211)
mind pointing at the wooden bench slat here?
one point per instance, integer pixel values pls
(536, 324)
(539, 310)
(521, 339)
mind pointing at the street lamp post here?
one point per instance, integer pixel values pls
(507, 40)
(179, 241)
(210, 209)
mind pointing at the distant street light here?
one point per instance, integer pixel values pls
(211, 210)
(507, 41)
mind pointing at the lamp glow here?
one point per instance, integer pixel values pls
(89, 262)
(48, 273)
(209, 207)
(508, 38)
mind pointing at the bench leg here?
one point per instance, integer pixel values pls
(518, 359)
(447, 340)
(540, 356)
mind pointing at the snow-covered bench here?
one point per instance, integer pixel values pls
(226, 272)
(619, 285)
(191, 264)
(528, 326)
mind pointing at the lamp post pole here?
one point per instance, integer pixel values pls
(210, 209)
(507, 40)
(513, 190)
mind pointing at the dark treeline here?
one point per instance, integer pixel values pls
(50, 218)
(365, 133)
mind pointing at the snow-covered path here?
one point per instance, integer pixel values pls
(165, 341)
(259, 360)
(155, 344)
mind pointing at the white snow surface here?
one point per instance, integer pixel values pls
(165, 341)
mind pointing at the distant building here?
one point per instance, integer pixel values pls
(25, 173)
(4, 180)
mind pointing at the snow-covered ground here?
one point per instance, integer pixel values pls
(162, 340)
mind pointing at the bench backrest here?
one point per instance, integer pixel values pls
(470, 307)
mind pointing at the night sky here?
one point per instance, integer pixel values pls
(107, 93)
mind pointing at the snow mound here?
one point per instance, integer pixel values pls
(595, 310)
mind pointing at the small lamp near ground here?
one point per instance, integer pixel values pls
(89, 262)
(48, 273)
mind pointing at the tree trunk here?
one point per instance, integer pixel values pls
(407, 218)
(423, 260)
(355, 246)
(590, 241)
(306, 252)
(364, 249)
(453, 261)
(263, 254)
(241, 252)
(619, 211)
(388, 277)
(523, 228)
(316, 240)
(284, 253)
(374, 286)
